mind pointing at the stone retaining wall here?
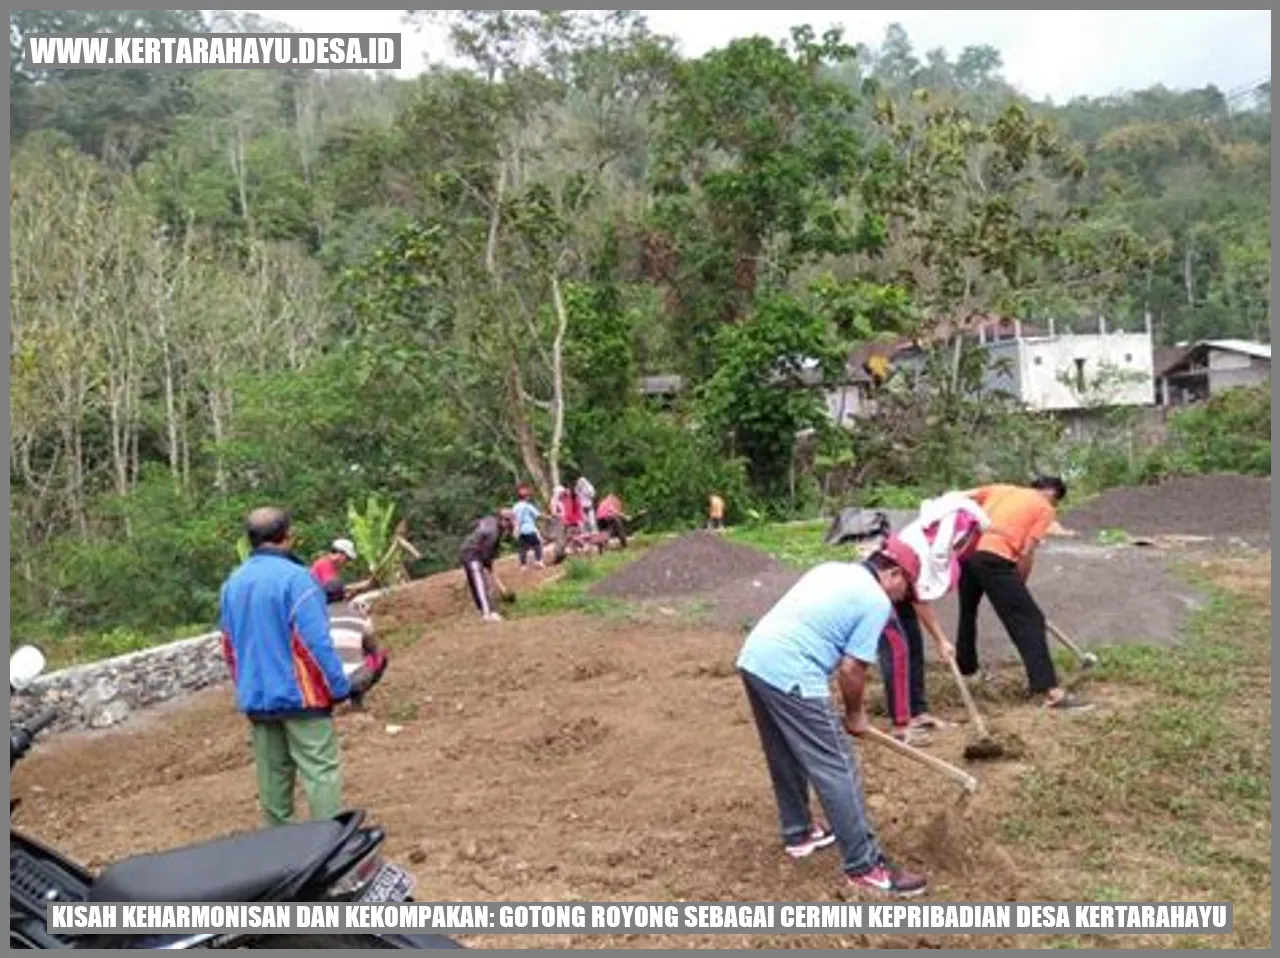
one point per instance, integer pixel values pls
(105, 693)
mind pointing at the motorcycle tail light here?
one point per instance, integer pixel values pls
(359, 876)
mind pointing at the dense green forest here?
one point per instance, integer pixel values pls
(231, 287)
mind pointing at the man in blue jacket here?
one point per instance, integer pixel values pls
(287, 673)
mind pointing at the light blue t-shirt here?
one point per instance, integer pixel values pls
(526, 517)
(837, 609)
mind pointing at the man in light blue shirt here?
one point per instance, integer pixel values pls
(828, 624)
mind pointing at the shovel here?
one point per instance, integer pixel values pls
(1087, 659)
(985, 747)
(959, 776)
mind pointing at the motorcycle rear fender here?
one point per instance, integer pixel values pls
(357, 847)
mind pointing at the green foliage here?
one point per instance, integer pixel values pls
(238, 287)
(760, 394)
(371, 531)
(1231, 432)
(666, 467)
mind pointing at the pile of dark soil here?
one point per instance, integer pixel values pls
(1221, 505)
(692, 564)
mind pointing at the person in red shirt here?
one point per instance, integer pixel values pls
(570, 509)
(612, 518)
(329, 566)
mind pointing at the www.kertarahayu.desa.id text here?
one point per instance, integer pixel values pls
(266, 50)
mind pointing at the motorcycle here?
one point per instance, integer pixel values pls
(333, 860)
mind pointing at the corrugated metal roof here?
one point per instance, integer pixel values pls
(1258, 350)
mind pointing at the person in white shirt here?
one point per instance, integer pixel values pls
(587, 499)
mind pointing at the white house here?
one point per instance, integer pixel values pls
(1196, 372)
(1063, 372)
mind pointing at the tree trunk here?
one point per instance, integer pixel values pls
(217, 416)
(525, 438)
(1188, 276)
(170, 409)
(557, 381)
(241, 175)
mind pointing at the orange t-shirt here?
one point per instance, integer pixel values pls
(1020, 518)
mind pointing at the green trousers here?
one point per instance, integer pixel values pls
(305, 748)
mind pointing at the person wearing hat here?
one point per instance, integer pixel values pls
(944, 533)
(329, 566)
(828, 624)
(477, 554)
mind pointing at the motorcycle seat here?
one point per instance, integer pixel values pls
(241, 868)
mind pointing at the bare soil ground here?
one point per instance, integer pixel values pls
(1219, 506)
(594, 758)
(1097, 594)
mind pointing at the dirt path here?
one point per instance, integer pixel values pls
(567, 758)
(576, 757)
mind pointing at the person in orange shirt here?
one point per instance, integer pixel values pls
(715, 513)
(999, 568)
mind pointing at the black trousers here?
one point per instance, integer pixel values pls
(530, 542)
(615, 527)
(985, 573)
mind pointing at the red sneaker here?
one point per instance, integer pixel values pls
(892, 882)
(820, 837)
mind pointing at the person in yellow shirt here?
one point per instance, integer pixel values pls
(715, 514)
(999, 567)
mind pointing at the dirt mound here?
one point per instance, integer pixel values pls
(692, 564)
(1221, 505)
(741, 604)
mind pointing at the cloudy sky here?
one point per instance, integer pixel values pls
(1054, 53)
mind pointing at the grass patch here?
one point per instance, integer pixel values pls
(1174, 790)
(796, 544)
(569, 593)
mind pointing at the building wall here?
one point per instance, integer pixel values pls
(1225, 359)
(847, 403)
(1249, 373)
(1042, 361)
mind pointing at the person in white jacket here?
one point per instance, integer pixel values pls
(945, 530)
(587, 498)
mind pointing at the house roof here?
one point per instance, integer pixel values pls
(661, 385)
(1257, 350)
(1169, 359)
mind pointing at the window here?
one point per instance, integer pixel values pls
(1128, 357)
(1039, 360)
(1080, 374)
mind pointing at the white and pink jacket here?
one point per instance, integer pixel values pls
(946, 531)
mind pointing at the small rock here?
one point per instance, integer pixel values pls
(110, 714)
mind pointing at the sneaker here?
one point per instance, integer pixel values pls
(883, 880)
(1069, 703)
(493, 617)
(912, 735)
(820, 837)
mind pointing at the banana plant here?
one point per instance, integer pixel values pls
(374, 534)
